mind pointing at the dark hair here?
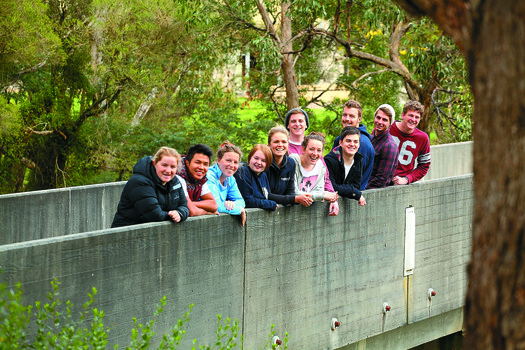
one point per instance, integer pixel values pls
(226, 147)
(199, 148)
(356, 105)
(318, 136)
(413, 106)
(265, 150)
(349, 130)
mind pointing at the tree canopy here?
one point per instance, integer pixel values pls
(367, 47)
(90, 86)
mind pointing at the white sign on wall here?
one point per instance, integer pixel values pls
(410, 240)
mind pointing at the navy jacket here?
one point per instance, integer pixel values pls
(254, 189)
(347, 187)
(281, 180)
(145, 199)
(368, 153)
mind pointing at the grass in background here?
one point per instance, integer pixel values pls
(320, 119)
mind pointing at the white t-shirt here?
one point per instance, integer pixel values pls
(348, 167)
(205, 189)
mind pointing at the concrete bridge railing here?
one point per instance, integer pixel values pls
(60, 212)
(295, 268)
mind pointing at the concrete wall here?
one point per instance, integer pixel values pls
(52, 213)
(451, 159)
(200, 262)
(296, 268)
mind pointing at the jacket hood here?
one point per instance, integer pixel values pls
(362, 129)
(215, 170)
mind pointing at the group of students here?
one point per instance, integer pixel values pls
(290, 169)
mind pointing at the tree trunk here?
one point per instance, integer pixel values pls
(426, 100)
(492, 35)
(288, 69)
(495, 307)
(50, 155)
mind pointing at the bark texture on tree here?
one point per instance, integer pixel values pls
(289, 77)
(491, 33)
(285, 43)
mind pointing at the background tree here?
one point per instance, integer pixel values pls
(314, 41)
(110, 83)
(491, 35)
(21, 54)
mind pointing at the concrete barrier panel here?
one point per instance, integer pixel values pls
(52, 213)
(93, 207)
(443, 242)
(34, 215)
(452, 159)
(303, 268)
(199, 261)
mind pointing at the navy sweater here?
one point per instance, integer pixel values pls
(254, 188)
(281, 179)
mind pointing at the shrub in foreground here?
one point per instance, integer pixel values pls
(57, 328)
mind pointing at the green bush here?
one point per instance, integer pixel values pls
(57, 328)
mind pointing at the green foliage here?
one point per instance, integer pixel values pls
(20, 48)
(269, 342)
(106, 82)
(15, 317)
(73, 120)
(142, 335)
(57, 327)
(227, 334)
(320, 28)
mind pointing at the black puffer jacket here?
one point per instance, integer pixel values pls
(145, 199)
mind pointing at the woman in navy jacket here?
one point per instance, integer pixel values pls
(252, 180)
(281, 172)
(153, 192)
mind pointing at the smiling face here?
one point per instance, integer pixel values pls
(257, 162)
(409, 121)
(350, 144)
(198, 167)
(350, 117)
(279, 144)
(312, 152)
(297, 124)
(229, 163)
(381, 122)
(166, 168)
